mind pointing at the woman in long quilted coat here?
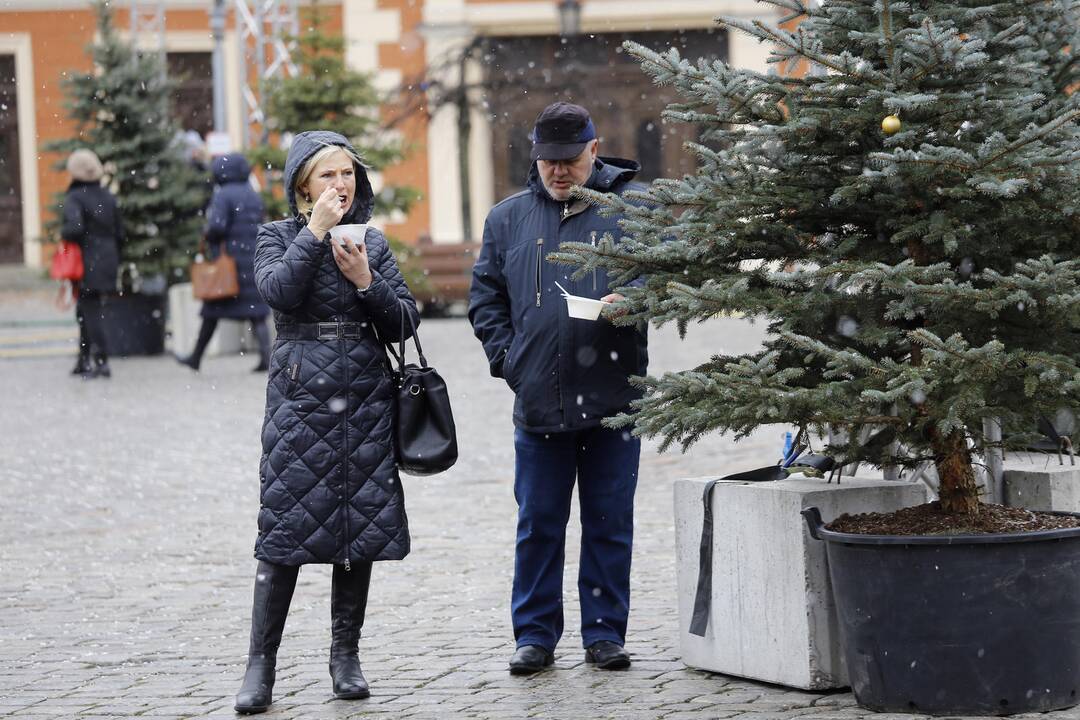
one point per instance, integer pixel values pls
(330, 491)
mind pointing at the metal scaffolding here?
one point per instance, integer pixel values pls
(268, 29)
(148, 19)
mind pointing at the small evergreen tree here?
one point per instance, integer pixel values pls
(906, 220)
(326, 95)
(121, 112)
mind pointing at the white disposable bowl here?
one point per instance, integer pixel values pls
(584, 308)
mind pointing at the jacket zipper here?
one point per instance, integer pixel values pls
(592, 239)
(539, 268)
(345, 427)
(558, 356)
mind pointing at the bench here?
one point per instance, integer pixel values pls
(447, 270)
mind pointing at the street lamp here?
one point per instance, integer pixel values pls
(569, 17)
(217, 31)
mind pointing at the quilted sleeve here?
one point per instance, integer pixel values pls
(388, 292)
(217, 217)
(118, 218)
(489, 304)
(284, 270)
(73, 228)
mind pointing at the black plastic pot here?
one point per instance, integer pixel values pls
(959, 625)
(135, 324)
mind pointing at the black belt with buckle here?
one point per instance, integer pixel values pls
(335, 330)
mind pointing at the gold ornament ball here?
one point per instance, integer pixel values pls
(891, 125)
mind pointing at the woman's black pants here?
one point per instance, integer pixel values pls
(89, 313)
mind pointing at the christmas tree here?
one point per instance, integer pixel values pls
(905, 218)
(121, 112)
(326, 95)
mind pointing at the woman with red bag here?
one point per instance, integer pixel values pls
(92, 221)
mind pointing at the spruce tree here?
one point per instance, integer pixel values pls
(905, 218)
(326, 95)
(121, 112)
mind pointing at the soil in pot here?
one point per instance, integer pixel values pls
(929, 519)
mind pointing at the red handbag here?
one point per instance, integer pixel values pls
(67, 262)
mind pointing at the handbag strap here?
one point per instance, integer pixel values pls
(699, 619)
(399, 354)
(222, 246)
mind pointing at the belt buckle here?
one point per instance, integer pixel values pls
(329, 330)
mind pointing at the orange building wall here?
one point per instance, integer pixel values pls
(59, 41)
(408, 56)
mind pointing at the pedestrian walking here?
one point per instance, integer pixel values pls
(232, 223)
(92, 220)
(567, 375)
(330, 491)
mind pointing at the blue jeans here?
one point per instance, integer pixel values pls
(605, 464)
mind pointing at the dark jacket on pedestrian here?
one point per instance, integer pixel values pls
(92, 220)
(232, 220)
(567, 374)
(330, 490)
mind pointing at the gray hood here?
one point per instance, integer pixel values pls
(307, 144)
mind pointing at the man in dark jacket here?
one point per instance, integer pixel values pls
(567, 375)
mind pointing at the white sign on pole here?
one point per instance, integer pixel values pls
(218, 143)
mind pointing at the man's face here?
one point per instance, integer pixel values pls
(559, 176)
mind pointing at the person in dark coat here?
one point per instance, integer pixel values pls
(567, 375)
(330, 490)
(92, 220)
(232, 222)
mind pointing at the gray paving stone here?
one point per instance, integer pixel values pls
(130, 510)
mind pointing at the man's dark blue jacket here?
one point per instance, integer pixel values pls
(567, 374)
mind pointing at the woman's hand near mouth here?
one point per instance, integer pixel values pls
(327, 212)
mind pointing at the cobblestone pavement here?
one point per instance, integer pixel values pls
(126, 559)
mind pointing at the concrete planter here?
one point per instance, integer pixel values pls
(230, 338)
(772, 615)
(1039, 481)
(134, 324)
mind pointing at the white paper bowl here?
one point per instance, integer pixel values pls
(584, 308)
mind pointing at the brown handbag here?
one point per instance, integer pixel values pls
(214, 279)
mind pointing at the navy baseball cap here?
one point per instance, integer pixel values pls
(561, 132)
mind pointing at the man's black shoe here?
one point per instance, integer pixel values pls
(529, 659)
(607, 655)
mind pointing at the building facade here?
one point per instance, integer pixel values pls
(467, 77)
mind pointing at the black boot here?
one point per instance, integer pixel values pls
(206, 332)
(262, 336)
(101, 366)
(348, 602)
(274, 586)
(82, 363)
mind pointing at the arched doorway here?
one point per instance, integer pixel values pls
(525, 74)
(11, 210)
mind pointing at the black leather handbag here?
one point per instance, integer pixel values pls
(425, 439)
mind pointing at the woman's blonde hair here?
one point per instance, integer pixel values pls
(304, 203)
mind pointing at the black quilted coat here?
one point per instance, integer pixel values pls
(92, 219)
(330, 491)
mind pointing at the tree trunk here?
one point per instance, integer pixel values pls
(958, 491)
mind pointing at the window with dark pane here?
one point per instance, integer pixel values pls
(193, 99)
(649, 140)
(11, 230)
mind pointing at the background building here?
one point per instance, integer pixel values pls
(515, 56)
